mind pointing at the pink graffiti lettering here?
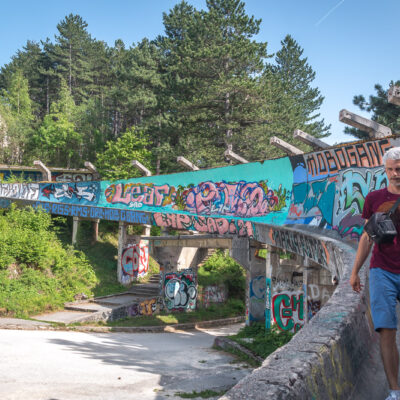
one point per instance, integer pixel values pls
(204, 224)
(237, 199)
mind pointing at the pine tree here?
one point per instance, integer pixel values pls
(296, 75)
(212, 68)
(383, 112)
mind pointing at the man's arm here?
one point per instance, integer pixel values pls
(364, 247)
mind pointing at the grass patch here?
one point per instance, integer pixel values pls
(205, 394)
(264, 341)
(227, 310)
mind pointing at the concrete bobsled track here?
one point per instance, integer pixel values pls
(308, 204)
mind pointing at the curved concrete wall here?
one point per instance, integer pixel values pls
(336, 355)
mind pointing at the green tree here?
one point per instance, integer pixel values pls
(116, 161)
(382, 111)
(212, 65)
(56, 141)
(296, 76)
(16, 109)
(69, 55)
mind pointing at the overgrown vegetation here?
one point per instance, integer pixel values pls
(205, 394)
(262, 342)
(222, 269)
(37, 273)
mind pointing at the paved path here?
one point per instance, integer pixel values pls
(58, 365)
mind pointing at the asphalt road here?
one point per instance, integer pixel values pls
(58, 365)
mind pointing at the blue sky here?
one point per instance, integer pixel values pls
(350, 44)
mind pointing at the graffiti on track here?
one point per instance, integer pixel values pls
(180, 291)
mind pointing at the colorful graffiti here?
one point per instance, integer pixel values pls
(288, 310)
(239, 199)
(180, 290)
(220, 226)
(135, 261)
(145, 307)
(368, 154)
(78, 193)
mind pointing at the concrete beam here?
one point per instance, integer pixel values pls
(92, 169)
(286, 147)
(235, 157)
(141, 167)
(46, 174)
(374, 129)
(186, 163)
(200, 241)
(315, 143)
(394, 95)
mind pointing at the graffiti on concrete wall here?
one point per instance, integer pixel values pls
(239, 199)
(213, 294)
(71, 177)
(288, 310)
(77, 193)
(134, 261)
(145, 307)
(368, 154)
(267, 303)
(180, 290)
(349, 202)
(220, 226)
(22, 191)
(257, 300)
(301, 244)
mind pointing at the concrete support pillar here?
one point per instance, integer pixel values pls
(272, 265)
(96, 224)
(75, 225)
(306, 272)
(121, 241)
(46, 173)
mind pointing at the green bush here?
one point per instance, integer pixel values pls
(222, 269)
(36, 272)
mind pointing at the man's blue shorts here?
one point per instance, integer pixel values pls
(384, 290)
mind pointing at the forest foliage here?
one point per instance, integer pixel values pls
(203, 86)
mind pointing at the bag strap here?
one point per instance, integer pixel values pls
(393, 209)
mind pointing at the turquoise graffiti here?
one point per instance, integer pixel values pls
(180, 290)
(288, 310)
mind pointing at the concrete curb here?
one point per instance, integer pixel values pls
(228, 344)
(38, 325)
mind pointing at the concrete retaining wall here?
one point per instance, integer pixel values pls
(335, 356)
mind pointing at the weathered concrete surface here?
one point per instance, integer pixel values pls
(84, 366)
(335, 356)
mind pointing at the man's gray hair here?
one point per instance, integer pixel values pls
(392, 154)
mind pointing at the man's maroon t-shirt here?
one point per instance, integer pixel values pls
(385, 256)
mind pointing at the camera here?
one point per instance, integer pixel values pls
(380, 228)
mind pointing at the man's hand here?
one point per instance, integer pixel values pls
(355, 283)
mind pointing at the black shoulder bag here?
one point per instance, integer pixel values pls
(380, 227)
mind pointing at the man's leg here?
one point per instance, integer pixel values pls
(390, 356)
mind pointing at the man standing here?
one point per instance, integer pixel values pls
(384, 278)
